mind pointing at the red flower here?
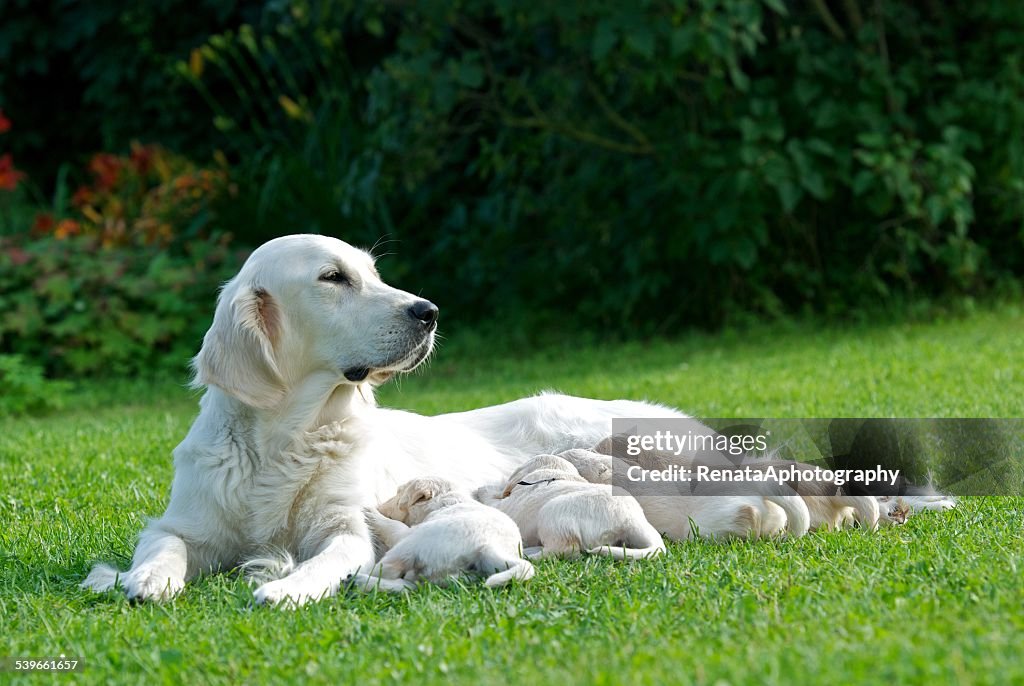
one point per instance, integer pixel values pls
(142, 157)
(9, 176)
(107, 169)
(5, 123)
(43, 223)
(82, 197)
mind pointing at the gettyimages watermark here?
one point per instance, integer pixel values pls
(769, 474)
(707, 457)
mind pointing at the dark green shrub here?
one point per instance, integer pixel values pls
(76, 309)
(625, 166)
(639, 166)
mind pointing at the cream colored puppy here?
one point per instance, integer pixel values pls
(567, 470)
(559, 511)
(437, 533)
(893, 510)
(768, 515)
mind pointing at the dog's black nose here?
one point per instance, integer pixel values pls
(425, 311)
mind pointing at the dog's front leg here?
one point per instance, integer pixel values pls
(158, 570)
(346, 549)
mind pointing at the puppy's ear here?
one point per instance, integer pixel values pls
(238, 351)
(420, 491)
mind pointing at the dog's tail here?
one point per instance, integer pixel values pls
(798, 517)
(276, 564)
(101, 578)
(517, 569)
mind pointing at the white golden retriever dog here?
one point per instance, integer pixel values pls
(299, 339)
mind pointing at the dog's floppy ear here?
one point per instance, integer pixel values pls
(420, 490)
(238, 351)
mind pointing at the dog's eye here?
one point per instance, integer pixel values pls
(334, 276)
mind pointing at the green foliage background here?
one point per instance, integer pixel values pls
(631, 168)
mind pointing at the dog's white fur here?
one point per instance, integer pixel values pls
(292, 349)
(558, 510)
(436, 532)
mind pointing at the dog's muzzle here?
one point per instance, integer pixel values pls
(406, 363)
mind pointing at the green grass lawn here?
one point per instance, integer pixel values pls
(940, 600)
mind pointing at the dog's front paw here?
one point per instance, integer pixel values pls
(151, 585)
(367, 584)
(285, 593)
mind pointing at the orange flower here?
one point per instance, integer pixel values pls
(42, 224)
(67, 227)
(106, 168)
(9, 176)
(5, 123)
(82, 197)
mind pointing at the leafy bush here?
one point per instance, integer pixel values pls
(26, 391)
(647, 165)
(73, 308)
(638, 166)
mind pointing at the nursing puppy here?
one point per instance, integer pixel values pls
(437, 533)
(680, 515)
(893, 510)
(559, 511)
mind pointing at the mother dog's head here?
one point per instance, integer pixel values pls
(304, 305)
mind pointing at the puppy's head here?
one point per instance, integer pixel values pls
(892, 510)
(539, 462)
(415, 500)
(309, 305)
(539, 477)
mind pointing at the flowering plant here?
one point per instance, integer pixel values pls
(9, 176)
(148, 197)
